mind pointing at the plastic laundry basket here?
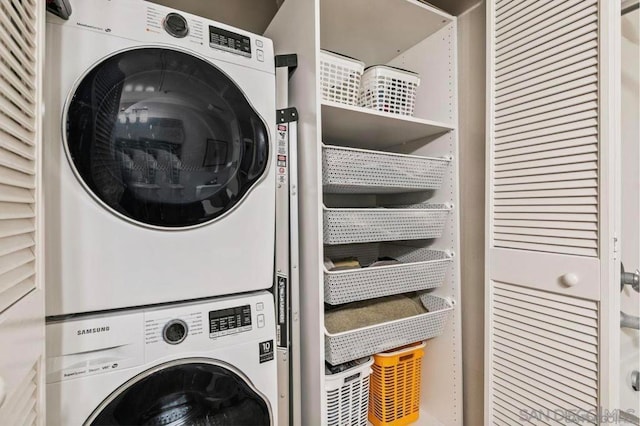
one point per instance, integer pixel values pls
(340, 77)
(389, 89)
(394, 398)
(348, 396)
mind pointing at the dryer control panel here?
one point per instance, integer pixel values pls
(231, 42)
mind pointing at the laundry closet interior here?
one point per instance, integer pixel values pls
(319, 212)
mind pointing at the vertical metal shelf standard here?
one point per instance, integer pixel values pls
(286, 280)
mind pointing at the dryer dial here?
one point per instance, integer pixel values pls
(175, 331)
(176, 25)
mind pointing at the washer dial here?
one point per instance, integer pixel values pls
(175, 331)
(176, 25)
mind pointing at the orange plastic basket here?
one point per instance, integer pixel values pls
(394, 398)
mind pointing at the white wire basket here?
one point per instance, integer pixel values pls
(361, 171)
(340, 77)
(364, 225)
(389, 89)
(419, 269)
(348, 396)
(366, 341)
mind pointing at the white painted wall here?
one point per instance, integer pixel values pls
(630, 300)
(471, 92)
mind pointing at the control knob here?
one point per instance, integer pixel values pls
(176, 25)
(175, 331)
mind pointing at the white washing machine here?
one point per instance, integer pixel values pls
(205, 363)
(159, 145)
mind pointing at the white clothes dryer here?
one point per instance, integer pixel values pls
(200, 363)
(159, 146)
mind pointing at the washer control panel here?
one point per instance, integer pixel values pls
(224, 322)
(229, 41)
(175, 331)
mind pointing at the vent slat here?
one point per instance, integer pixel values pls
(562, 398)
(10, 228)
(12, 178)
(557, 365)
(553, 404)
(542, 41)
(15, 260)
(553, 20)
(12, 244)
(20, 104)
(550, 100)
(551, 146)
(16, 146)
(583, 183)
(535, 407)
(565, 300)
(540, 115)
(9, 111)
(522, 327)
(549, 162)
(507, 18)
(568, 233)
(24, 58)
(577, 115)
(518, 417)
(566, 201)
(18, 43)
(558, 352)
(548, 224)
(540, 309)
(584, 392)
(549, 248)
(547, 155)
(551, 177)
(527, 64)
(550, 65)
(520, 315)
(541, 171)
(21, 22)
(16, 276)
(13, 194)
(16, 162)
(558, 217)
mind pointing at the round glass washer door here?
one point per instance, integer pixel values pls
(164, 138)
(181, 394)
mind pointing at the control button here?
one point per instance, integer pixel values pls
(259, 43)
(260, 54)
(260, 320)
(175, 331)
(259, 306)
(176, 25)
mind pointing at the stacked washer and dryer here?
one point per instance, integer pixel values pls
(160, 201)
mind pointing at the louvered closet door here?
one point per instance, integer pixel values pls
(551, 221)
(21, 295)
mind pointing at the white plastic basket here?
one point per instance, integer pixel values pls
(361, 171)
(340, 77)
(365, 225)
(420, 268)
(389, 89)
(348, 396)
(366, 341)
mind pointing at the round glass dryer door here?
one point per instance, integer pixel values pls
(189, 394)
(163, 138)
